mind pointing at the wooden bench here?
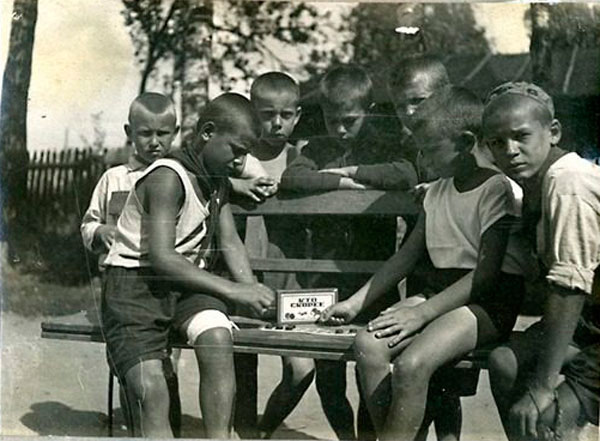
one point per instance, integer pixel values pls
(250, 341)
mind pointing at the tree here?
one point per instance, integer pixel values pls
(443, 29)
(559, 26)
(226, 41)
(13, 111)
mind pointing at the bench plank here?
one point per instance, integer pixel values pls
(342, 202)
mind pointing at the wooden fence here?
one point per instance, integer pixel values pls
(60, 185)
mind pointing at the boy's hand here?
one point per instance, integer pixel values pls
(351, 184)
(338, 314)
(348, 172)
(400, 322)
(420, 190)
(525, 413)
(257, 189)
(105, 234)
(256, 296)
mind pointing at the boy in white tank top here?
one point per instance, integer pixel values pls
(159, 272)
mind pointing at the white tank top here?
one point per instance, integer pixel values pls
(130, 248)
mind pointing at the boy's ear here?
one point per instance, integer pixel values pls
(555, 132)
(371, 107)
(206, 131)
(466, 142)
(127, 129)
(176, 131)
(298, 115)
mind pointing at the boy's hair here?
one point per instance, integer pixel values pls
(274, 81)
(346, 83)
(528, 90)
(153, 102)
(448, 112)
(227, 111)
(407, 67)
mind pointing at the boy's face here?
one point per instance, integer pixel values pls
(406, 99)
(517, 136)
(151, 134)
(344, 122)
(439, 155)
(224, 152)
(279, 113)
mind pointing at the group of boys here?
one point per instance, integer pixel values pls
(162, 241)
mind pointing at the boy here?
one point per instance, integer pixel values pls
(472, 293)
(276, 96)
(151, 138)
(150, 143)
(159, 272)
(353, 156)
(562, 214)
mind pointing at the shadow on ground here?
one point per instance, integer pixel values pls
(56, 419)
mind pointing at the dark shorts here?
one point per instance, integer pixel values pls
(140, 311)
(502, 306)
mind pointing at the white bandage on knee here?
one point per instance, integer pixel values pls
(204, 321)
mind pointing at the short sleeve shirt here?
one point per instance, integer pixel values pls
(568, 234)
(456, 221)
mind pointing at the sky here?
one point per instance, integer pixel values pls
(84, 65)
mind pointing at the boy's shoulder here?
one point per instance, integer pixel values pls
(571, 174)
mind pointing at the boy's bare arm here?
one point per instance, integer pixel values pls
(162, 197)
(483, 278)
(391, 272)
(405, 321)
(233, 249)
(561, 313)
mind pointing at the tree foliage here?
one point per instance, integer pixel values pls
(559, 26)
(444, 29)
(566, 24)
(243, 35)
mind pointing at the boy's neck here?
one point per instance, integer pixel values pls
(265, 151)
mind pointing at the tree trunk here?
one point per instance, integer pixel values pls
(540, 46)
(195, 65)
(13, 113)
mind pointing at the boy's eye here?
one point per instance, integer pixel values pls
(349, 120)
(163, 133)
(267, 114)
(288, 114)
(144, 133)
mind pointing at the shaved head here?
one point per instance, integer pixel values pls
(151, 102)
(229, 112)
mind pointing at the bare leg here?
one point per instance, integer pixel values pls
(373, 358)
(214, 352)
(297, 375)
(570, 408)
(331, 386)
(148, 394)
(443, 340)
(508, 368)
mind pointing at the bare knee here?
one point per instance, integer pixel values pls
(370, 351)
(411, 367)
(502, 364)
(146, 382)
(299, 370)
(215, 338)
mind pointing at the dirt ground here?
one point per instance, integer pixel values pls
(58, 388)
